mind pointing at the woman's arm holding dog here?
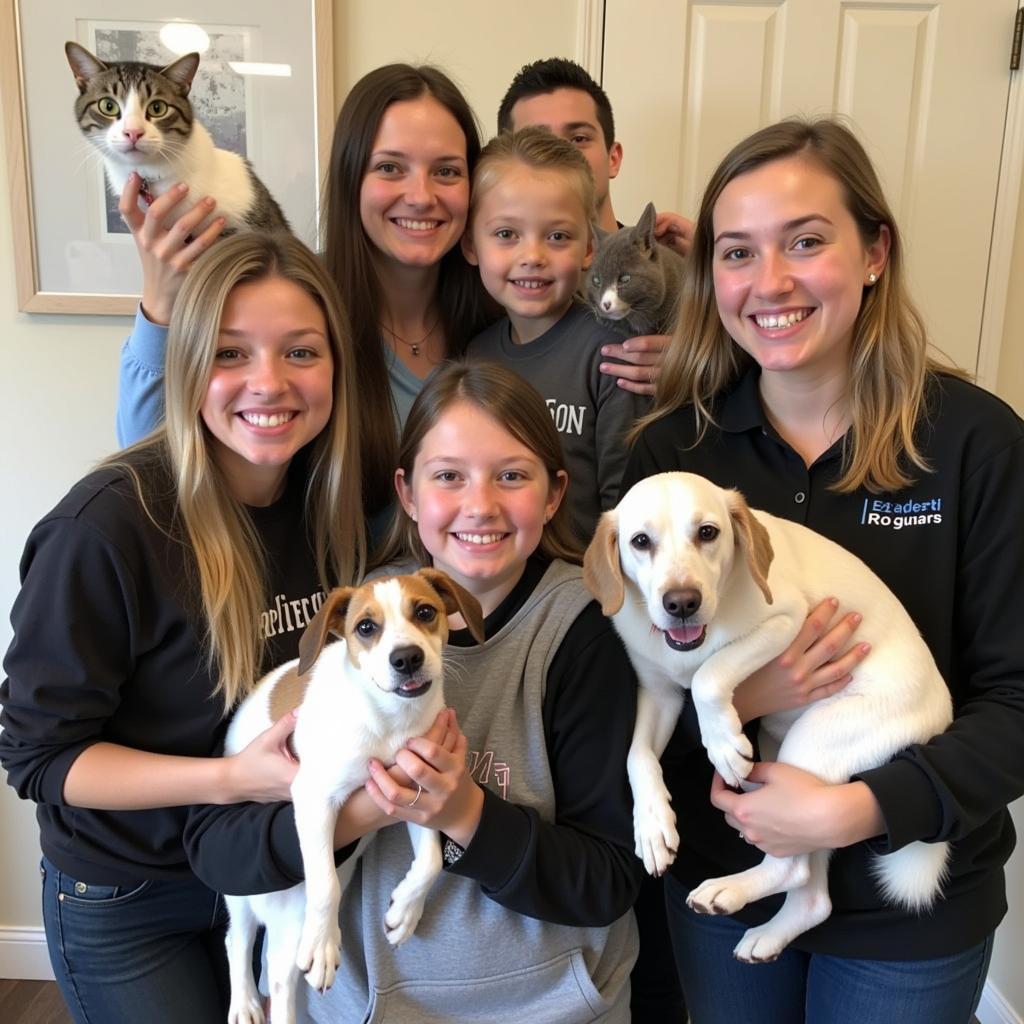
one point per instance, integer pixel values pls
(818, 663)
(795, 812)
(952, 785)
(580, 869)
(249, 848)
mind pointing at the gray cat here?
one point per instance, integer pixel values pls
(633, 278)
(140, 119)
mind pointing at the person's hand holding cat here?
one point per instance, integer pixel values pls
(641, 365)
(165, 253)
(675, 231)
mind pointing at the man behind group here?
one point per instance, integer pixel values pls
(559, 95)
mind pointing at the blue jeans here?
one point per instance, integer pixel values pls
(152, 952)
(806, 988)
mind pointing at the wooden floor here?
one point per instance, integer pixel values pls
(39, 1002)
(32, 1002)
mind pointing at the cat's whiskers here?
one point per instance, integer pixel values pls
(88, 154)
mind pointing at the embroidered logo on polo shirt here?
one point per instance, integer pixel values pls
(897, 515)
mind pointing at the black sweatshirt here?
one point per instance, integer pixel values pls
(951, 547)
(108, 647)
(588, 710)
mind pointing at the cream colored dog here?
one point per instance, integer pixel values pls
(364, 696)
(703, 592)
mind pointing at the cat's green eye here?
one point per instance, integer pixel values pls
(595, 278)
(109, 107)
(623, 278)
(157, 108)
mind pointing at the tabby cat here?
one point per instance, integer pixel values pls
(140, 119)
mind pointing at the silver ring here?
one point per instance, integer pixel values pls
(419, 793)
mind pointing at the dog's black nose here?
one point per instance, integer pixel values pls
(681, 604)
(407, 659)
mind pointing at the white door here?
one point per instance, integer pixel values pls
(924, 84)
(480, 45)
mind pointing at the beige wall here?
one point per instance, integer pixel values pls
(57, 392)
(57, 395)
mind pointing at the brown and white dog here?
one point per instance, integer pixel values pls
(704, 591)
(364, 696)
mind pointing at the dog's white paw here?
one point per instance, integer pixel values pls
(655, 835)
(319, 955)
(732, 754)
(246, 1009)
(718, 896)
(760, 945)
(402, 917)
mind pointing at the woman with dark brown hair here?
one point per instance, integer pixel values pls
(397, 193)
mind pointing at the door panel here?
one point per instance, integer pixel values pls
(924, 85)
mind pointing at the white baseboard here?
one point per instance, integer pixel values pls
(994, 1009)
(23, 955)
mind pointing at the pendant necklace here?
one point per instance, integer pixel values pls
(414, 346)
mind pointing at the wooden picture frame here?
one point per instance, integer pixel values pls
(69, 256)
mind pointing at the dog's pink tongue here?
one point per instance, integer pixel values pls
(686, 635)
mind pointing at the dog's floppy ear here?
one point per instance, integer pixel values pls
(602, 573)
(456, 599)
(330, 618)
(753, 541)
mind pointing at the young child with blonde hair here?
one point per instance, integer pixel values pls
(529, 232)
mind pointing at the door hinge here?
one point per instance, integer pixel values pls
(1018, 35)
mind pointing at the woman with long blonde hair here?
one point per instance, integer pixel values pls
(799, 373)
(153, 596)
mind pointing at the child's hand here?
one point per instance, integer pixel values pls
(641, 364)
(441, 793)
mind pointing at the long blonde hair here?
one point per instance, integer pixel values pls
(889, 361)
(228, 557)
(519, 408)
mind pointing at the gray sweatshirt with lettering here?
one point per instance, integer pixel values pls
(591, 412)
(471, 958)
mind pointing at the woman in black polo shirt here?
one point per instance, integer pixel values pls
(799, 374)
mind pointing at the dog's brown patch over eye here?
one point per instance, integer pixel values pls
(420, 604)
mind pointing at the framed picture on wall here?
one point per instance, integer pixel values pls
(264, 89)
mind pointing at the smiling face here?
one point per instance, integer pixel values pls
(571, 114)
(415, 192)
(271, 388)
(480, 499)
(530, 237)
(790, 267)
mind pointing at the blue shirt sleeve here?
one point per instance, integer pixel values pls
(140, 394)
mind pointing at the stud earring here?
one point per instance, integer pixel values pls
(872, 278)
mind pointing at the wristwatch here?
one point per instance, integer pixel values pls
(451, 851)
